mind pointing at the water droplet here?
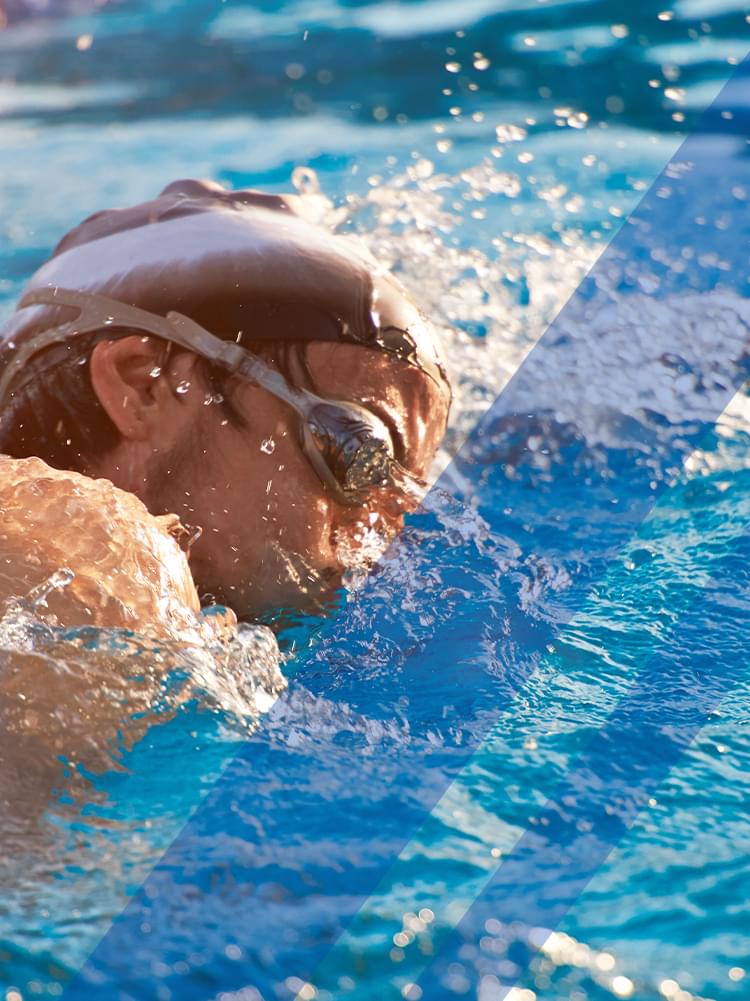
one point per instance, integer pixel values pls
(267, 445)
(614, 104)
(305, 181)
(59, 580)
(510, 133)
(453, 67)
(481, 63)
(622, 987)
(422, 169)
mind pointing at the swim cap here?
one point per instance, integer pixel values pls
(243, 264)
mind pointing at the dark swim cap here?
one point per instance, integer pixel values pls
(243, 264)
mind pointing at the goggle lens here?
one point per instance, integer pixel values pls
(354, 448)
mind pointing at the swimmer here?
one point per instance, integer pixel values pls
(227, 361)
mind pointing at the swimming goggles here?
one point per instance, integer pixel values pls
(348, 446)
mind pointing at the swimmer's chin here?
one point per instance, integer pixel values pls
(270, 604)
(321, 599)
(319, 593)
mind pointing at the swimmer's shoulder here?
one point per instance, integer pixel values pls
(122, 566)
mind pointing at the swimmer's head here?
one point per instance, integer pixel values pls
(218, 449)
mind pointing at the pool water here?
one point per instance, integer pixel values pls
(488, 153)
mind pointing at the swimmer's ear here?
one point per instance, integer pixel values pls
(125, 375)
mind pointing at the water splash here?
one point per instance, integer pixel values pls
(87, 693)
(491, 300)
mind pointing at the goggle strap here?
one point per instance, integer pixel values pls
(236, 359)
(97, 312)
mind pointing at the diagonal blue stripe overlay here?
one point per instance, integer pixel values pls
(611, 782)
(304, 822)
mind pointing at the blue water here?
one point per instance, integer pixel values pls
(103, 106)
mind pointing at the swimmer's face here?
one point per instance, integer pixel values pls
(273, 537)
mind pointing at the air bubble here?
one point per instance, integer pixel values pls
(267, 446)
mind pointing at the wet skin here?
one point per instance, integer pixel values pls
(272, 535)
